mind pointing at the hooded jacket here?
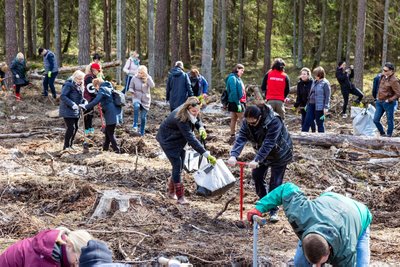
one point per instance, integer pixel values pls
(18, 67)
(178, 88)
(234, 86)
(339, 219)
(70, 94)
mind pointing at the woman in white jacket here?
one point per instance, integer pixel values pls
(131, 69)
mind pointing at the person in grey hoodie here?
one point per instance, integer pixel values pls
(50, 69)
(178, 86)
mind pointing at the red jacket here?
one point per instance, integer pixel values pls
(33, 252)
(275, 85)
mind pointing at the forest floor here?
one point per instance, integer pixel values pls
(42, 187)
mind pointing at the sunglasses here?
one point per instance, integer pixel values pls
(193, 105)
(253, 122)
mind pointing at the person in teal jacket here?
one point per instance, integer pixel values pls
(332, 228)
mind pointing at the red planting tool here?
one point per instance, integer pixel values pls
(241, 165)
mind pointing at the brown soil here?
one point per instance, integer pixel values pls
(42, 187)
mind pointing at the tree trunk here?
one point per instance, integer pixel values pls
(46, 24)
(240, 37)
(57, 34)
(28, 19)
(340, 35)
(106, 29)
(21, 29)
(185, 49)
(222, 36)
(68, 40)
(34, 26)
(192, 32)
(317, 58)
(257, 47)
(294, 49)
(385, 32)
(206, 57)
(360, 37)
(138, 37)
(300, 42)
(10, 31)
(174, 40)
(150, 35)
(161, 56)
(84, 33)
(349, 31)
(119, 37)
(123, 35)
(268, 32)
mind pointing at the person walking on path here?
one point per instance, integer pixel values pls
(50, 71)
(178, 86)
(331, 228)
(303, 90)
(18, 69)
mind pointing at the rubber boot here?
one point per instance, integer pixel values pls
(171, 190)
(180, 192)
(18, 96)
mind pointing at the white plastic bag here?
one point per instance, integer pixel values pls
(214, 180)
(354, 111)
(193, 160)
(363, 123)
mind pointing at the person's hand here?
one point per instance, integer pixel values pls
(239, 108)
(59, 239)
(287, 100)
(83, 106)
(205, 96)
(212, 160)
(251, 213)
(253, 164)
(203, 133)
(75, 107)
(49, 74)
(294, 109)
(17, 76)
(85, 102)
(232, 161)
(326, 111)
(352, 67)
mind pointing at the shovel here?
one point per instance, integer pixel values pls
(257, 222)
(85, 144)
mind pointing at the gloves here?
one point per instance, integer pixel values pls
(294, 109)
(49, 74)
(253, 164)
(17, 76)
(85, 102)
(75, 107)
(203, 134)
(232, 161)
(212, 160)
(83, 106)
(305, 108)
(322, 117)
(251, 213)
(239, 108)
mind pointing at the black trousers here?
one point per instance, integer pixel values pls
(88, 118)
(72, 128)
(18, 87)
(346, 93)
(110, 138)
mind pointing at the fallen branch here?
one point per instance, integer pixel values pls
(198, 258)
(117, 231)
(121, 250)
(18, 135)
(199, 229)
(224, 209)
(134, 249)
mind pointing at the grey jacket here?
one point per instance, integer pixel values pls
(141, 92)
(50, 62)
(321, 92)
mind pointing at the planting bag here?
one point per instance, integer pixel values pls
(193, 160)
(363, 122)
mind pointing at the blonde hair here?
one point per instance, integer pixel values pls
(20, 55)
(308, 72)
(194, 72)
(3, 67)
(78, 238)
(96, 82)
(182, 114)
(143, 68)
(134, 54)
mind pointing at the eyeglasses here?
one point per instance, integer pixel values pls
(194, 105)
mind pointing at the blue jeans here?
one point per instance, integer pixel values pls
(127, 83)
(49, 82)
(382, 107)
(303, 120)
(143, 116)
(311, 116)
(177, 162)
(363, 252)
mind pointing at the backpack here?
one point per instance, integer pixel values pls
(118, 98)
(225, 98)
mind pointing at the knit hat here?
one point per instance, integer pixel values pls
(95, 253)
(95, 66)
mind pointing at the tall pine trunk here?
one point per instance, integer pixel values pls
(349, 31)
(10, 31)
(294, 49)
(206, 55)
(185, 49)
(317, 58)
(257, 47)
(340, 35)
(21, 29)
(240, 37)
(385, 32)
(84, 33)
(222, 36)
(268, 32)
(46, 23)
(34, 26)
(28, 19)
(300, 42)
(57, 34)
(161, 52)
(150, 35)
(174, 40)
(359, 49)
(106, 29)
(138, 35)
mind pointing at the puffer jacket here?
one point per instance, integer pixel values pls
(320, 94)
(178, 88)
(269, 138)
(71, 94)
(389, 88)
(141, 92)
(104, 97)
(339, 219)
(18, 67)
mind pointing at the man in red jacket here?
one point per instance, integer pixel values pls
(276, 86)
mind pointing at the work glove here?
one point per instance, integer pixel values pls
(294, 109)
(17, 76)
(85, 102)
(49, 74)
(239, 108)
(75, 107)
(83, 106)
(322, 118)
(253, 164)
(232, 161)
(251, 213)
(203, 134)
(212, 160)
(205, 96)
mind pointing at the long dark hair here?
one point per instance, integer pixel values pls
(255, 111)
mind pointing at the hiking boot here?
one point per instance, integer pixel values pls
(344, 116)
(273, 217)
(135, 128)
(180, 192)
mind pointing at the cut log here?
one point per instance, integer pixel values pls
(17, 135)
(342, 140)
(35, 76)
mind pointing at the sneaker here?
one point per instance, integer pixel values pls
(87, 131)
(91, 130)
(344, 116)
(135, 128)
(274, 218)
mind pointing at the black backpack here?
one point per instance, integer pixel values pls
(118, 98)
(225, 98)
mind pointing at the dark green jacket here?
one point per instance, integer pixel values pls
(339, 219)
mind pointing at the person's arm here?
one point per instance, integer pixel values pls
(126, 66)
(232, 90)
(297, 103)
(351, 75)
(274, 130)
(188, 86)
(66, 90)
(341, 76)
(188, 134)
(168, 89)
(51, 59)
(287, 87)
(240, 141)
(205, 85)
(277, 196)
(375, 86)
(150, 82)
(95, 101)
(327, 95)
(132, 86)
(264, 85)
(396, 90)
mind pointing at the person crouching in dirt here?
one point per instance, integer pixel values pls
(3, 70)
(332, 228)
(49, 248)
(174, 133)
(110, 112)
(18, 69)
(266, 131)
(97, 253)
(89, 94)
(71, 97)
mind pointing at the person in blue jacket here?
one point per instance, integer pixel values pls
(71, 98)
(175, 132)
(268, 134)
(332, 228)
(110, 112)
(198, 83)
(178, 86)
(50, 71)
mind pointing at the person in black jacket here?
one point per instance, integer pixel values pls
(89, 94)
(303, 90)
(178, 86)
(344, 76)
(175, 132)
(18, 69)
(266, 131)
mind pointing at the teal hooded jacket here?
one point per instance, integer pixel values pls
(339, 219)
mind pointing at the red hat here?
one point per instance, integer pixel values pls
(95, 66)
